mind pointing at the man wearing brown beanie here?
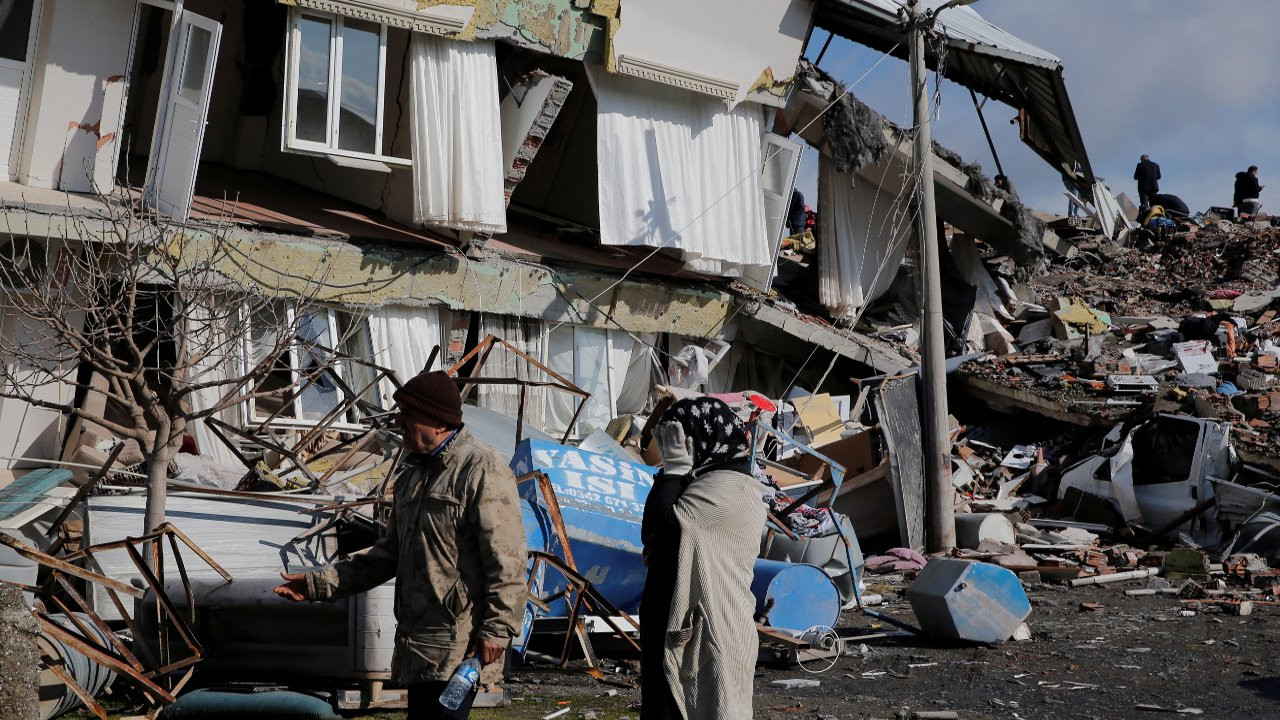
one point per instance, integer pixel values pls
(454, 543)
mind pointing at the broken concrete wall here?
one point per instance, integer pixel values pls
(77, 95)
(1027, 247)
(528, 112)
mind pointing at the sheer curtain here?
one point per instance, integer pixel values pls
(678, 166)
(600, 362)
(402, 339)
(865, 233)
(527, 335)
(456, 135)
(216, 361)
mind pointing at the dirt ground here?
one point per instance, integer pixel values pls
(1133, 655)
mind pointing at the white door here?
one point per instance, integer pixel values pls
(171, 172)
(781, 162)
(16, 21)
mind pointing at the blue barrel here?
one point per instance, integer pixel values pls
(968, 600)
(794, 596)
(602, 502)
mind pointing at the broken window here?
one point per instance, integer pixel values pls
(319, 331)
(336, 87)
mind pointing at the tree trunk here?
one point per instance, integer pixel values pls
(157, 485)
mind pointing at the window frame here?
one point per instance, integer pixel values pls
(289, 141)
(249, 411)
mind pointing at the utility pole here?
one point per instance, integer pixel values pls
(936, 442)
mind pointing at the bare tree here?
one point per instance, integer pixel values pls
(155, 325)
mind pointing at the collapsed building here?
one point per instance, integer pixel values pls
(580, 200)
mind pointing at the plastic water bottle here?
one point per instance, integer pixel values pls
(462, 682)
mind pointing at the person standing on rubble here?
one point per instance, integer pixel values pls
(454, 542)
(1147, 174)
(701, 530)
(1247, 191)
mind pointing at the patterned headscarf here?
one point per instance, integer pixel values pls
(719, 437)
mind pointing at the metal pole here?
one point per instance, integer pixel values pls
(985, 131)
(941, 513)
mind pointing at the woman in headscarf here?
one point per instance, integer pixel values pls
(701, 534)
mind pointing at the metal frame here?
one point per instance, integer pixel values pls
(114, 654)
(580, 595)
(483, 348)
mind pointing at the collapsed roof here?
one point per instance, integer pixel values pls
(986, 59)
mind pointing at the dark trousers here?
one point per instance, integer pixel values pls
(1144, 200)
(424, 703)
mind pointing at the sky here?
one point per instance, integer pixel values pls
(1192, 83)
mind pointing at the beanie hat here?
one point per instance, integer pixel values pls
(433, 394)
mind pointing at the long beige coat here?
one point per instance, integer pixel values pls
(711, 639)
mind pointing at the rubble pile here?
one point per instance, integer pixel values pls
(1181, 323)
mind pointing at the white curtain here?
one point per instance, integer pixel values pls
(865, 233)
(678, 169)
(596, 360)
(456, 135)
(642, 374)
(403, 338)
(217, 361)
(527, 335)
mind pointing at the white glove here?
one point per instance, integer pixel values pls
(675, 448)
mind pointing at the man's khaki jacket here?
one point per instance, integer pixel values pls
(455, 544)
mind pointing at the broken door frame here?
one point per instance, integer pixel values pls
(21, 119)
(170, 95)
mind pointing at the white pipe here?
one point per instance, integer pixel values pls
(1115, 577)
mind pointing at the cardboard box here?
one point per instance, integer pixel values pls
(856, 453)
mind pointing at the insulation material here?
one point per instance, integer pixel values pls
(865, 232)
(678, 170)
(854, 133)
(458, 173)
(403, 338)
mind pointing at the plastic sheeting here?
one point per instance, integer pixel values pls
(865, 231)
(679, 170)
(403, 338)
(456, 135)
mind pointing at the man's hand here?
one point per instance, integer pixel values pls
(487, 650)
(294, 587)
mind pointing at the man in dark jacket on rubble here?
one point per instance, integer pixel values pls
(454, 542)
(1147, 174)
(1247, 191)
